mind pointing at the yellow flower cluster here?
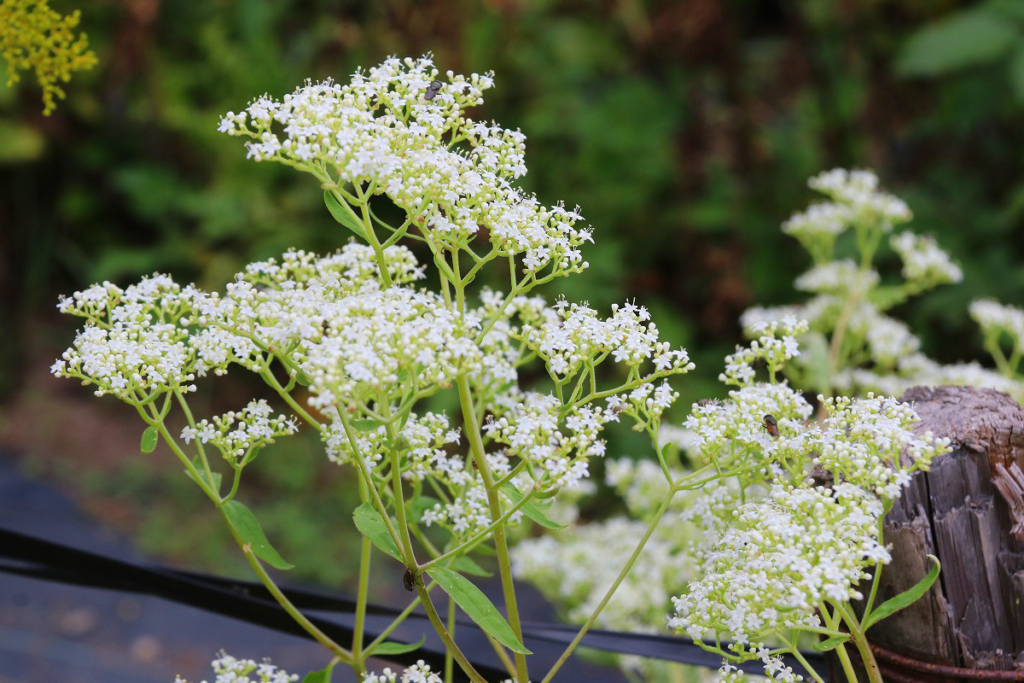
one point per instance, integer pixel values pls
(34, 36)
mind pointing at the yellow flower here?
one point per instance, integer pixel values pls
(33, 36)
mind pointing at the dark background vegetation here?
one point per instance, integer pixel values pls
(685, 129)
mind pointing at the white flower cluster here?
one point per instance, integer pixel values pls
(540, 431)
(873, 351)
(733, 436)
(240, 435)
(837, 277)
(351, 340)
(780, 559)
(768, 564)
(924, 263)
(232, 670)
(859, 192)
(466, 512)
(775, 343)
(502, 346)
(577, 337)
(417, 673)
(878, 433)
(354, 264)
(919, 370)
(424, 153)
(995, 320)
(133, 343)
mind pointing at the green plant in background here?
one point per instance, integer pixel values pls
(854, 345)
(1002, 327)
(35, 37)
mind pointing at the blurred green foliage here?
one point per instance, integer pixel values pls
(685, 129)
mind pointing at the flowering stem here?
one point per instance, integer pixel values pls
(445, 636)
(361, 597)
(308, 626)
(402, 616)
(803, 662)
(199, 442)
(448, 668)
(615, 585)
(861, 641)
(494, 504)
(396, 485)
(371, 237)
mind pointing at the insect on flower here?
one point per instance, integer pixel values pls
(770, 425)
(432, 90)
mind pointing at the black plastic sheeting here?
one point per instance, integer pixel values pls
(249, 601)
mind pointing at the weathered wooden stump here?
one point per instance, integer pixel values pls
(969, 512)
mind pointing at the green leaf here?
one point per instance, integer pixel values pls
(468, 565)
(476, 605)
(321, 676)
(391, 648)
(887, 296)
(530, 509)
(904, 599)
(342, 215)
(149, 439)
(371, 524)
(832, 643)
(965, 39)
(367, 425)
(245, 525)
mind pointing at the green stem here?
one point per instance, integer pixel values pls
(308, 626)
(371, 237)
(861, 641)
(611, 589)
(199, 444)
(363, 593)
(449, 668)
(476, 445)
(428, 605)
(479, 537)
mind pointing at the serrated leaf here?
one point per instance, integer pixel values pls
(392, 648)
(468, 565)
(965, 39)
(371, 524)
(904, 599)
(150, 437)
(342, 215)
(248, 528)
(831, 643)
(477, 607)
(530, 509)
